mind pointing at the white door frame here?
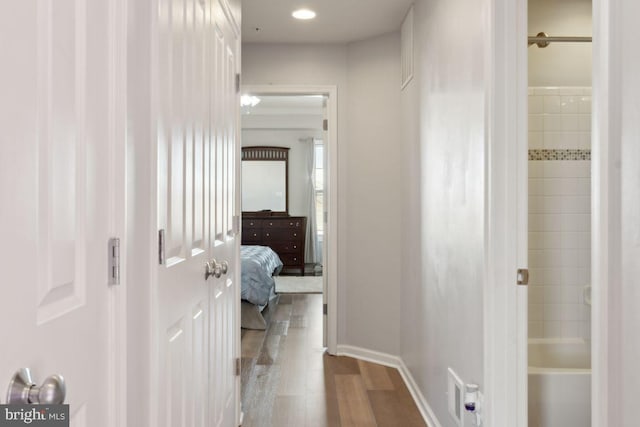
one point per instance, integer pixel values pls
(605, 211)
(117, 299)
(505, 303)
(330, 268)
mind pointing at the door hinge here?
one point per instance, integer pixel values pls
(114, 261)
(238, 367)
(523, 277)
(324, 309)
(161, 247)
(325, 124)
(237, 82)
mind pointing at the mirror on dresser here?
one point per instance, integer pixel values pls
(265, 205)
(265, 180)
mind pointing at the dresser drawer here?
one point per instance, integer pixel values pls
(291, 259)
(286, 223)
(280, 234)
(286, 247)
(251, 236)
(251, 223)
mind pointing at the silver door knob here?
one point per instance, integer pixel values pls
(23, 390)
(224, 267)
(212, 268)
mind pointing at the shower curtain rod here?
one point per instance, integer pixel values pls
(543, 40)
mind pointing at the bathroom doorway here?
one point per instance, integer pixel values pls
(559, 213)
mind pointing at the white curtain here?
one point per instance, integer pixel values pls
(311, 245)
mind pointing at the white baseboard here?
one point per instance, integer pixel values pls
(369, 356)
(394, 362)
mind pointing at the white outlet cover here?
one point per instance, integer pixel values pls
(455, 397)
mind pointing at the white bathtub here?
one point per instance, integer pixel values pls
(559, 383)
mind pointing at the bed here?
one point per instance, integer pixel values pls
(258, 266)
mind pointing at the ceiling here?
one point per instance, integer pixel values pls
(337, 21)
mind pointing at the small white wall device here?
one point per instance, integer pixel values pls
(473, 402)
(470, 397)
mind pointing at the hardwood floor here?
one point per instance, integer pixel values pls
(288, 379)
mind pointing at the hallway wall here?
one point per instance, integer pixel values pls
(444, 251)
(616, 211)
(370, 188)
(375, 190)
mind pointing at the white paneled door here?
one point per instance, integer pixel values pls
(197, 108)
(59, 121)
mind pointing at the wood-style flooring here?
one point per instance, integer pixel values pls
(289, 380)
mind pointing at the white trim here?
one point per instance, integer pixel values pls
(505, 303)
(522, 211)
(331, 266)
(153, 344)
(231, 18)
(117, 295)
(238, 225)
(605, 202)
(394, 362)
(367, 355)
(407, 48)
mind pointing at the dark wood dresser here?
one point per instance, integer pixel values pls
(284, 234)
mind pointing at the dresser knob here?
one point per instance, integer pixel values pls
(267, 234)
(295, 234)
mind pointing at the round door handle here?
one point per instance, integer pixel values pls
(23, 390)
(208, 270)
(224, 267)
(212, 268)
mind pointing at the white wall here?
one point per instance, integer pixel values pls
(560, 64)
(616, 211)
(367, 76)
(443, 268)
(629, 222)
(375, 190)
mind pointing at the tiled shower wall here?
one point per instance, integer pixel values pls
(559, 211)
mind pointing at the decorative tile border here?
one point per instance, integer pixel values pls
(559, 154)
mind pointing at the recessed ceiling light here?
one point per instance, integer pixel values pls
(303, 14)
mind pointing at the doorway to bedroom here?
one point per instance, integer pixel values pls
(288, 200)
(283, 192)
(288, 197)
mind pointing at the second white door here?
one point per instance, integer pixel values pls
(197, 106)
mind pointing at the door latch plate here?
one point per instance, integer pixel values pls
(523, 277)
